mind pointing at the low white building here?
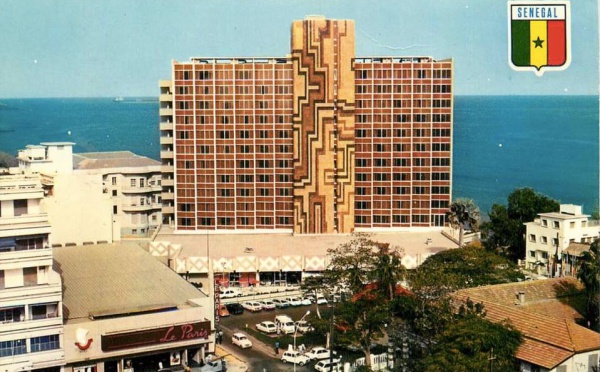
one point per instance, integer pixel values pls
(549, 236)
(31, 331)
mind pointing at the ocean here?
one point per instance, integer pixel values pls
(549, 143)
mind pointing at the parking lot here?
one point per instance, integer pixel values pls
(261, 356)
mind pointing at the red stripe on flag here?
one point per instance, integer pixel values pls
(557, 52)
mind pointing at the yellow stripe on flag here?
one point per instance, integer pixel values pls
(538, 43)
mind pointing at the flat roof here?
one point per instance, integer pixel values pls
(111, 159)
(273, 244)
(117, 279)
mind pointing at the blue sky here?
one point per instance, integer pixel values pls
(73, 48)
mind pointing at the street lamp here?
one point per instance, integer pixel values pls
(296, 332)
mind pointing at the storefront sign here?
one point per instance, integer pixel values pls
(175, 333)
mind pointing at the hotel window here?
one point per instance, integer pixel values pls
(132, 182)
(532, 254)
(115, 211)
(361, 133)
(263, 134)
(441, 161)
(397, 103)
(419, 190)
(545, 223)
(379, 147)
(245, 178)
(362, 162)
(362, 74)
(439, 204)
(544, 239)
(205, 221)
(203, 75)
(381, 191)
(400, 219)
(420, 147)
(362, 177)
(284, 192)
(555, 224)
(245, 149)
(265, 220)
(244, 192)
(440, 176)
(440, 190)
(225, 221)
(224, 134)
(360, 219)
(401, 162)
(225, 119)
(189, 164)
(244, 163)
(362, 205)
(283, 177)
(283, 149)
(264, 192)
(264, 178)
(243, 221)
(283, 220)
(401, 118)
(361, 191)
(401, 177)
(441, 132)
(381, 219)
(381, 177)
(264, 164)
(555, 242)
(20, 207)
(441, 147)
(420, 218)
(282, 163)
(381, 162)
(283, 134)
(532, 238)
(545, 255)
(183, 105)
(400, 190)
(263, 149)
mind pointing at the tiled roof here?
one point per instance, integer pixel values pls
(111, 159)
(576, 249)
(549, 339)
(117, 278)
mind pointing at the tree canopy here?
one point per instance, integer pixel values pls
(505, 230)
(465, 268)
(589, 274)
(366, 273)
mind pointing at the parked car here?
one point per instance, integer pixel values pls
(223, 312)
(281, 303)
(212, 366)
(235, 308)
(285, 324)
(252, 306)
(317, 353)
(267, 305)
(230, 293)
(294, 301)
(303, 326)
(327, 365)
(266, 327)
(321, 300)
(305, 301)
(294, 357)
(241, 340)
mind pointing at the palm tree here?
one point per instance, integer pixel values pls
(388, 270)
(589, 274)
(463, 212)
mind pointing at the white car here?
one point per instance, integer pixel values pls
(294, 301)
(305, 301)
(303, 326)
(267, 304)
(324, 366)
(281, 303)
(321, 300)
(317, 353)
(295, 358)
(252, 306)
(241, 340)
(267, 327)
(212, 366)
(230, 293)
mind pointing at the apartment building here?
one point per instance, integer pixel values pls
(133, 184)
(317, 141)
(31, 332)
(549, 237)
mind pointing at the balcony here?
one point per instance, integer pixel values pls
(166, 154)
(167, 195)
(166, 126)
(26, 224)
(165, 98)
(166, 112)
(141, 190)
(136, 207)
(169, 209)
(166, 168)
(166, 140)
(168, 182)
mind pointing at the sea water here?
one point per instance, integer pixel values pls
(549, 143)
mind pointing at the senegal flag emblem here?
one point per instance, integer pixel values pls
(539, 35)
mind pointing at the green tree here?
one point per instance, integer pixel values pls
(7, 160)
(367, 272)
(589, 274)
(465, 268)
(463, 212)
(505, 230)
(469, 343)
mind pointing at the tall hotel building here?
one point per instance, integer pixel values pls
(318, 141)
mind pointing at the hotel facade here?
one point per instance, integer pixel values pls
(318, 141)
